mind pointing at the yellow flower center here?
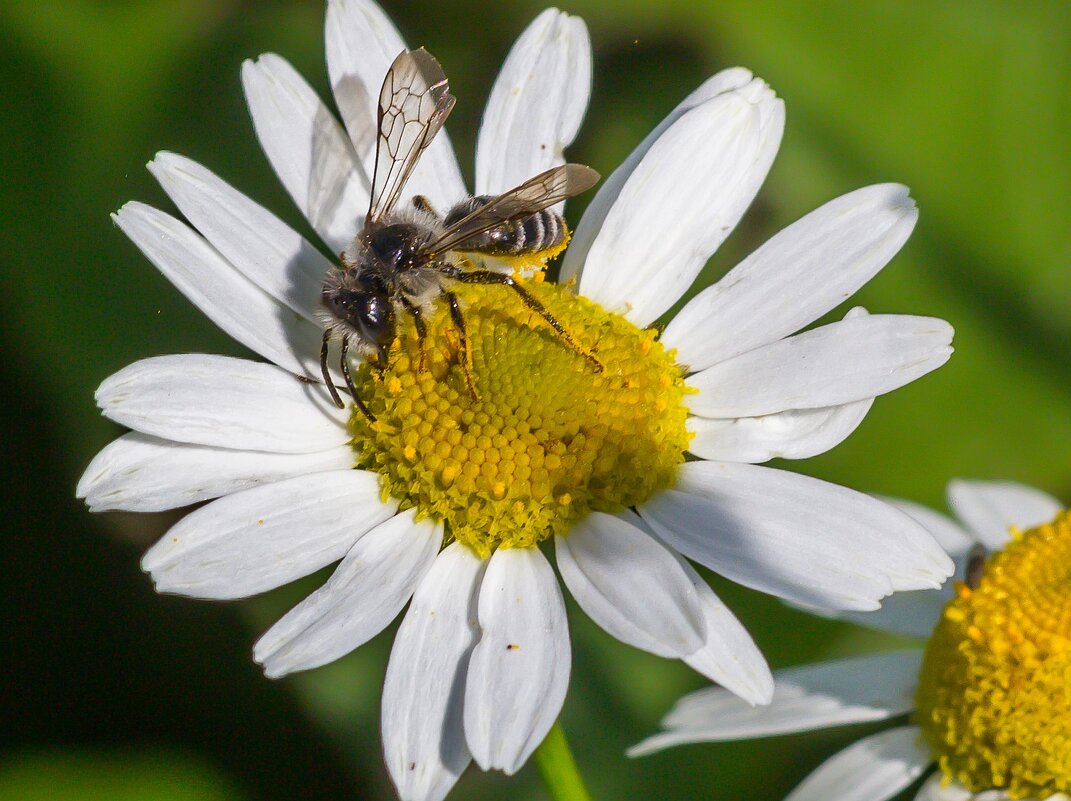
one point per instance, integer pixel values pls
(994, 695)
(548, 437)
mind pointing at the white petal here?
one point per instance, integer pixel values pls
(600, 205)
(681, 201)
(223, 402)
(260, 246)
(792, 434)
(361, 44)
(914, 613)
(955, 540)
(805, 271)
(729, 656)
(858, 690)
(537, 103)
(212, 284)
(990, 508)
(365, 593)
(794, 536)
(850, 360)
(519, 672)
(267, 536)
(873, 769)
(631, 585)
(307, 148)
(140, 473)
(423, 694)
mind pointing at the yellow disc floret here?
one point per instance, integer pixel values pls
(994, 693)
(536, 435)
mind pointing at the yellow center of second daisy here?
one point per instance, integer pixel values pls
(994, 693)
(547, 438)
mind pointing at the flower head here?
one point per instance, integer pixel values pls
(989, 690)
(471, 456)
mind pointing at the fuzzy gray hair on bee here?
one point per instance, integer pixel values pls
(405, 259)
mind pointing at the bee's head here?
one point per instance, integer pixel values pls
(362, 304)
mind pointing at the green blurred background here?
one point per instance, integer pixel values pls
(108, 691)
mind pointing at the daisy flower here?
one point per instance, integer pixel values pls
(987, 687)
(443, 501)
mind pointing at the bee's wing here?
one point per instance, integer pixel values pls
(534, 195)
(413, 105)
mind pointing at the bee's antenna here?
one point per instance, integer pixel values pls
(349, 380)
(327, 376)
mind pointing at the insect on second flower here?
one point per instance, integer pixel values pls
(405, 258)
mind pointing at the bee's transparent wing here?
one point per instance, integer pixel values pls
(534, 195)
(413, 105)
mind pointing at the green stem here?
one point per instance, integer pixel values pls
(558, 768)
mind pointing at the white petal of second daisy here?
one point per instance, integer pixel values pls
(141, 473)
(366, 591)
(990, 508)
(223, 402)
(536, 104)
(858, 690)
(631, 585)
(951, 536)
(794, 536)
(519, 672)
(423, 693)
(681, 201)
(229, 299)
(362, 43)
(262, 538)
(307, 148)
(850, 360)
(873, 769)
(800, 274)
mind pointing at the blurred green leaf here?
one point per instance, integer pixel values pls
(111, 776)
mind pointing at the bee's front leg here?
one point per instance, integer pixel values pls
(419, 324)
(466, 354)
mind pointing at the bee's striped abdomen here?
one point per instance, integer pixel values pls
(537, 232)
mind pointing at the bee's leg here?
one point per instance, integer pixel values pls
(466, 354)
(489, 277)
(327, 376)
(421, 203)
(418, 323)
(349, 381)
(379, 366)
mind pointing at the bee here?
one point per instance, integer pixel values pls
(975, 565)
(405, 259)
